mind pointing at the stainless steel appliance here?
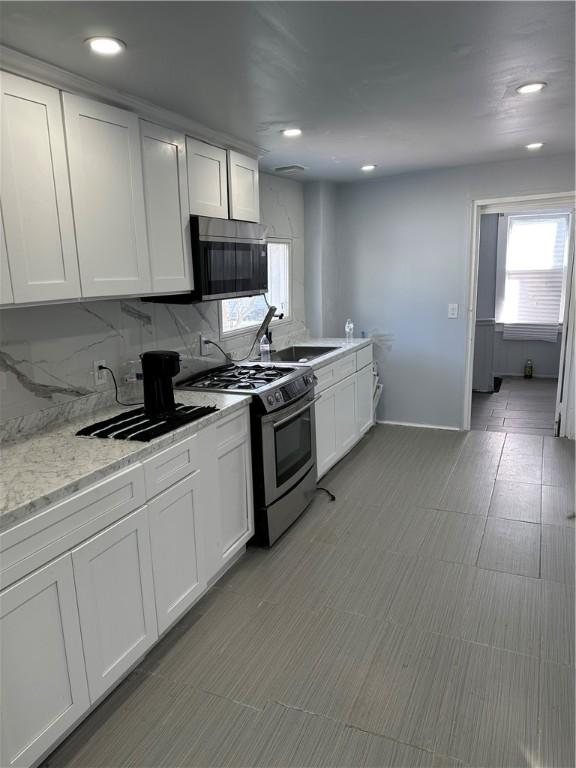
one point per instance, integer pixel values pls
(229, 259)
(283, 437)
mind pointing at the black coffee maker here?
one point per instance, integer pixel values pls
(158, 369)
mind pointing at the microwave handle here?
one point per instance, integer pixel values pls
(308, 405)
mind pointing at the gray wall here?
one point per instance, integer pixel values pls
(487, 255)
(402, 255)
(321, 278)
(46, 352)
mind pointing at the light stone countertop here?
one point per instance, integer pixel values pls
(53, 463)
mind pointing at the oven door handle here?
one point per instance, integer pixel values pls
(306, 407)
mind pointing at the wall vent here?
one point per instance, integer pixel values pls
(290, 168)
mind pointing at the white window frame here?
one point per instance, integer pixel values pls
(248, 330)
(502, 244)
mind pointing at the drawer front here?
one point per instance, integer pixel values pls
(171, 465)
(324, 378)
(344, 368)
(232, 428)
(364, 357)
(37, 541)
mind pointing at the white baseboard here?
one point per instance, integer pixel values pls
(521, 375)
(412, 424)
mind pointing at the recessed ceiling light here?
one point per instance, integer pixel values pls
(107, 46)
(535, 145)
(367, 168)
(530, 88)
(292, 132)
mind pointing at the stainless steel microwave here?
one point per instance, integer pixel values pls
(229, 259)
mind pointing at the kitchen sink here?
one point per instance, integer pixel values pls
(299, 354)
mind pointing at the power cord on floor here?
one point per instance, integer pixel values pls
(111, 372)
(329, 493)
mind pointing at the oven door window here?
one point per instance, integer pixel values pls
(293, 442)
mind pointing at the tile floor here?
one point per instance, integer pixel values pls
(425, 618)
(523, 406)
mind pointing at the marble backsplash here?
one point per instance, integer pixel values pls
(47, 352)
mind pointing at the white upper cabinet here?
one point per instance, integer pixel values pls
(108, 198)
(167, 213)
(35, 193)
(244, 194)
(207, 179)
(6, 294)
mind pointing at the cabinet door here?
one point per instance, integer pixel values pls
(364, 399)
(113, 574)
(35, 193)
(6, 294)
(234, 478)
(326, 445)
(176, 549)
(167, 215)
(44, 687)
(207, 179)
(346, 420)
(244, 194)
(108, 198)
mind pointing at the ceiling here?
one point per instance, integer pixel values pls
(404, 85)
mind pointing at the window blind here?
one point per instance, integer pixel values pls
(536, 251)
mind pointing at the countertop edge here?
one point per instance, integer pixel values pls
(29, 509)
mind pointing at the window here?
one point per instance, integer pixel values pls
(247, 312)
(530, 284)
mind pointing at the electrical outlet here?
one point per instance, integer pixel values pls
(100, 376)
(453, 311)
(204, 345)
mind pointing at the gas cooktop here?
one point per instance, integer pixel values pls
(243, 377)
(273, 385)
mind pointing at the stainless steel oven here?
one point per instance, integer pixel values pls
(288, 447)
(287, 466)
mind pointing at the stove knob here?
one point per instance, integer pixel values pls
(279, 397)
(270, 399)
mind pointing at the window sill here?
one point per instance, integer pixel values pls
(249, 331)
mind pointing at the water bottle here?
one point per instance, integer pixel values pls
(528, 369)
(349, 330)
(265, 349)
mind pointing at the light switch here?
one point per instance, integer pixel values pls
(452, 311)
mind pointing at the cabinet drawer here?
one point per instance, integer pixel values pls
(364, 357)
(171, 465)
(232, 428)
(332, 374)
(45, 536)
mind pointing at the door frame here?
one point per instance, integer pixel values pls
(496, 205)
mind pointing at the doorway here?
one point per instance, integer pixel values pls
(521, 317)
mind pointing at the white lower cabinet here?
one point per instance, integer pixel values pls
(176, 549)
(326, 441)
(346, 421)
(73, 628)
(234, 477)
(44, 687)
(344, 412)
(365, 399)
(113, 575)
